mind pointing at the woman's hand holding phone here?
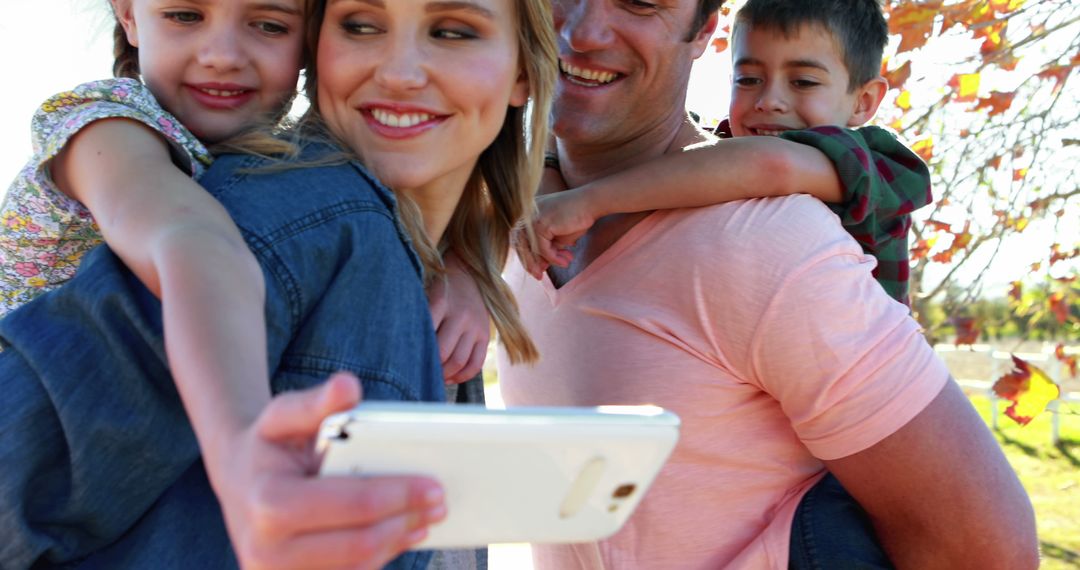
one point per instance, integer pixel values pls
(279, 514)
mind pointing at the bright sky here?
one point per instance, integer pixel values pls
(53, 45)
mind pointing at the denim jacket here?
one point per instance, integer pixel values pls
(100, 467)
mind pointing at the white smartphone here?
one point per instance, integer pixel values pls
(540, 475)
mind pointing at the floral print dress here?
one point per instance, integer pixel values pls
(43, 232)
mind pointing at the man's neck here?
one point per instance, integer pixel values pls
(582, 163)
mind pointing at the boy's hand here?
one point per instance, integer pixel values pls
(461, 320)
(561, 220)
(281, 515)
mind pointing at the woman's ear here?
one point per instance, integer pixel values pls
(123, 11)
(520, 93)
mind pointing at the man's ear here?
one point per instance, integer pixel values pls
(122, 9)
(520, 93)
(867, 99)
(702, 37)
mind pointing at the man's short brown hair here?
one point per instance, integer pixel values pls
(705, 9)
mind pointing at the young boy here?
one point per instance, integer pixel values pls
(805, 71)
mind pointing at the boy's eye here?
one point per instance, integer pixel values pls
(271, 28)
(183, 17)
(747, 81)
(804, 83)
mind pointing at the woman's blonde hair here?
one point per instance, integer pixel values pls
(500, 193)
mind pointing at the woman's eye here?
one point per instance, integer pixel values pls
(271, 28)
(358, 28)
(452, 34)
(183, 17)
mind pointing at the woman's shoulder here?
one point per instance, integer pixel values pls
(318, 191)
(320, 173)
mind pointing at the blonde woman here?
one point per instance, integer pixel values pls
(430, 96)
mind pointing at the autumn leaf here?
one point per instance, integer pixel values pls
(967, 14)
(1008, 61)
(913, 22)
(944, 256)
(998, 102)
(962, 239)
(897, 77)
(994, 162)
(720, 44)
(939, 226)
(1059, 307)
(922, 247)
(965, 86)
(903, 100)
(1070, 361)
(1016, 291)
(993, 37)
(1019, 174)
(1028, 388)
(966, 331)
(1056, 254)
(1058, 73)
(924, 148)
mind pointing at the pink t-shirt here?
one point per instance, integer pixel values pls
(759, 324)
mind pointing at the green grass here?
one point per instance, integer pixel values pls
(1051, 475)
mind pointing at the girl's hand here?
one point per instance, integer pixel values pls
(280, 514)
(461, 320)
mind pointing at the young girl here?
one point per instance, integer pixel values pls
(111, 475)
(115, 160)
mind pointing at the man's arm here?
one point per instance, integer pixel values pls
(941, 494)
(866, 394)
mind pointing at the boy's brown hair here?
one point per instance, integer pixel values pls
(858, 26)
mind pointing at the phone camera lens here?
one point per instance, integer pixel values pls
(624, 490)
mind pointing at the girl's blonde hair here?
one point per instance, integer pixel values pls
(500, 193)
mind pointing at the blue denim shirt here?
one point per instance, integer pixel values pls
(100, 467)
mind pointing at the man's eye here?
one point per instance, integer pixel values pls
(183, 17)
(641, 5)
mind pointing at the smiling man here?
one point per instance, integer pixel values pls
(760, 324)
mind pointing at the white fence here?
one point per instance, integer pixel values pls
(1001, 363)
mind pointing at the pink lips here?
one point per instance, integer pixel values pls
(223, 96)
(400, 132)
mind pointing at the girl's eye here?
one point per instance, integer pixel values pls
(183, 17)
(271, 28)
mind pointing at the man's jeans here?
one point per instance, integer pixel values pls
(832, 532)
